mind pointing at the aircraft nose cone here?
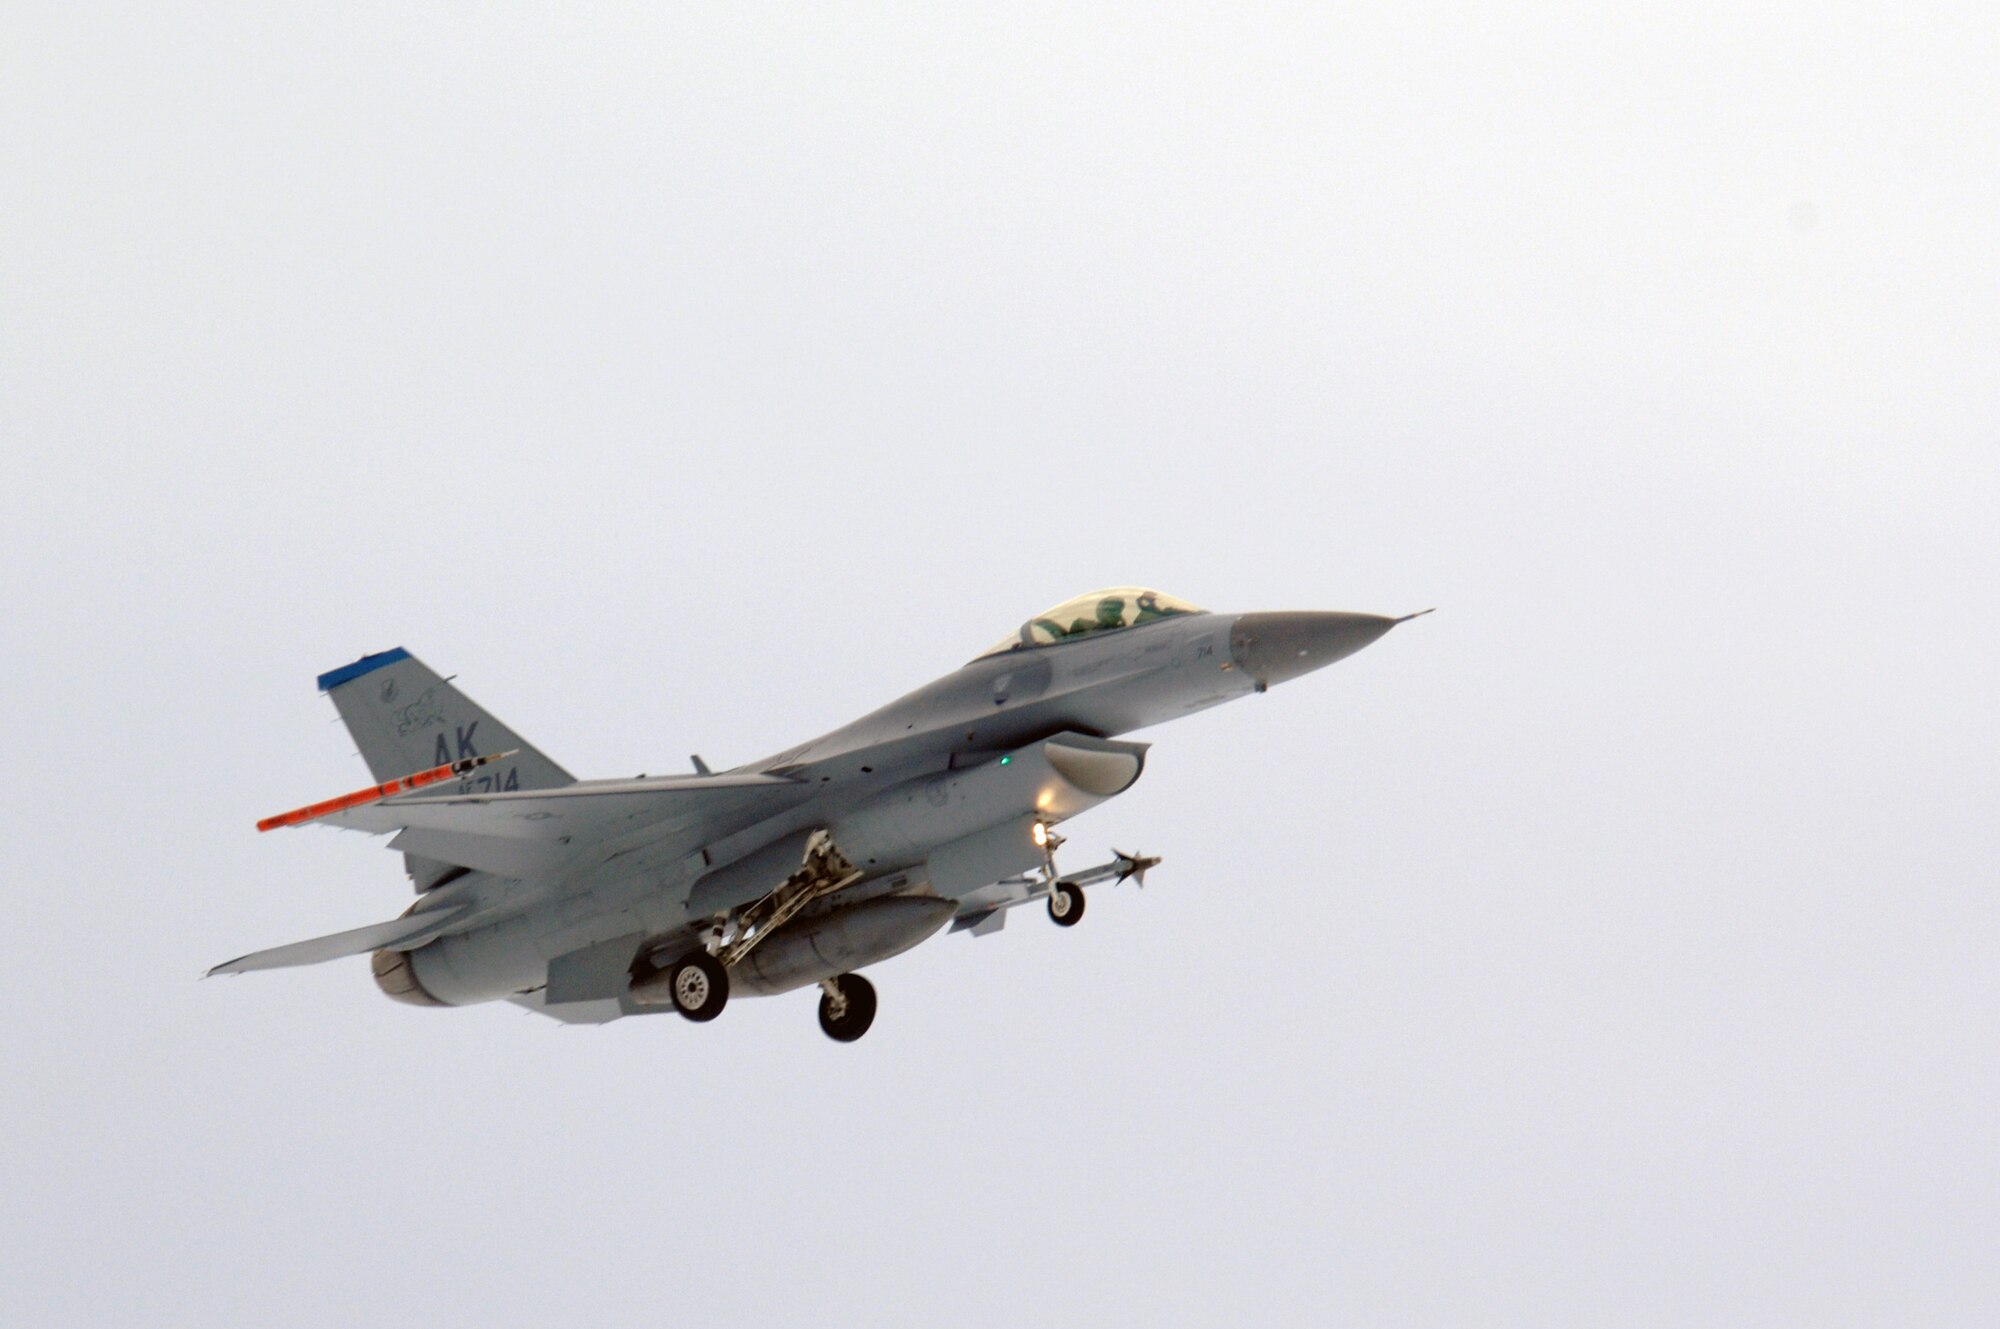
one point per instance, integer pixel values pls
(1276, 648)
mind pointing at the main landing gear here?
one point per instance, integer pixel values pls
(699, 986)
(697, 983)
(846, 1007)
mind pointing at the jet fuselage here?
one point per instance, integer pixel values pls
(877, 785)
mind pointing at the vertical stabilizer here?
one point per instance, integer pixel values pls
(405, 718)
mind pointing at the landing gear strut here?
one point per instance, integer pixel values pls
(824, 871)
(1065, 897)
(847, 1007)
(698, 982)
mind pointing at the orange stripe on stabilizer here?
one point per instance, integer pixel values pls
(375, 793)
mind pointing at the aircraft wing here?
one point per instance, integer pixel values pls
(518, 833)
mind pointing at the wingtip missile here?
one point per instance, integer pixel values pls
(1135, 866)
(450, 770)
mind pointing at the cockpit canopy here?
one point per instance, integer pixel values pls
(1099, 611)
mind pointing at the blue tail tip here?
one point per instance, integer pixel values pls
(367, 664)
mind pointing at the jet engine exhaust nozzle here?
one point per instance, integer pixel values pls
(397, 977)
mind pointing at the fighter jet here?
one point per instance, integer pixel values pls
(589, 900)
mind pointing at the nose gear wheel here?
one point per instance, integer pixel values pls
(1066, 904)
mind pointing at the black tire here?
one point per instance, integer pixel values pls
(699, 986)
(852, 1023)
(1066, 905)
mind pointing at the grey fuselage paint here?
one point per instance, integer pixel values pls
(1102, 686)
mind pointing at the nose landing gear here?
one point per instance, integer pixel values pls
(1066, 904)
(1065, 892)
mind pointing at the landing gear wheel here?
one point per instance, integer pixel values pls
(699, 985)
(1066, 905)
(848, 1018)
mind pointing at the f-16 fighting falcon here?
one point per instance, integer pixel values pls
(588, 900)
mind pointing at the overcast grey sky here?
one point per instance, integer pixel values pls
(1615, 947)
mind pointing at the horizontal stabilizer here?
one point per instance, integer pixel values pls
(398, 934)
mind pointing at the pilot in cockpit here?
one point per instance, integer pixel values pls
(1110, 614)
